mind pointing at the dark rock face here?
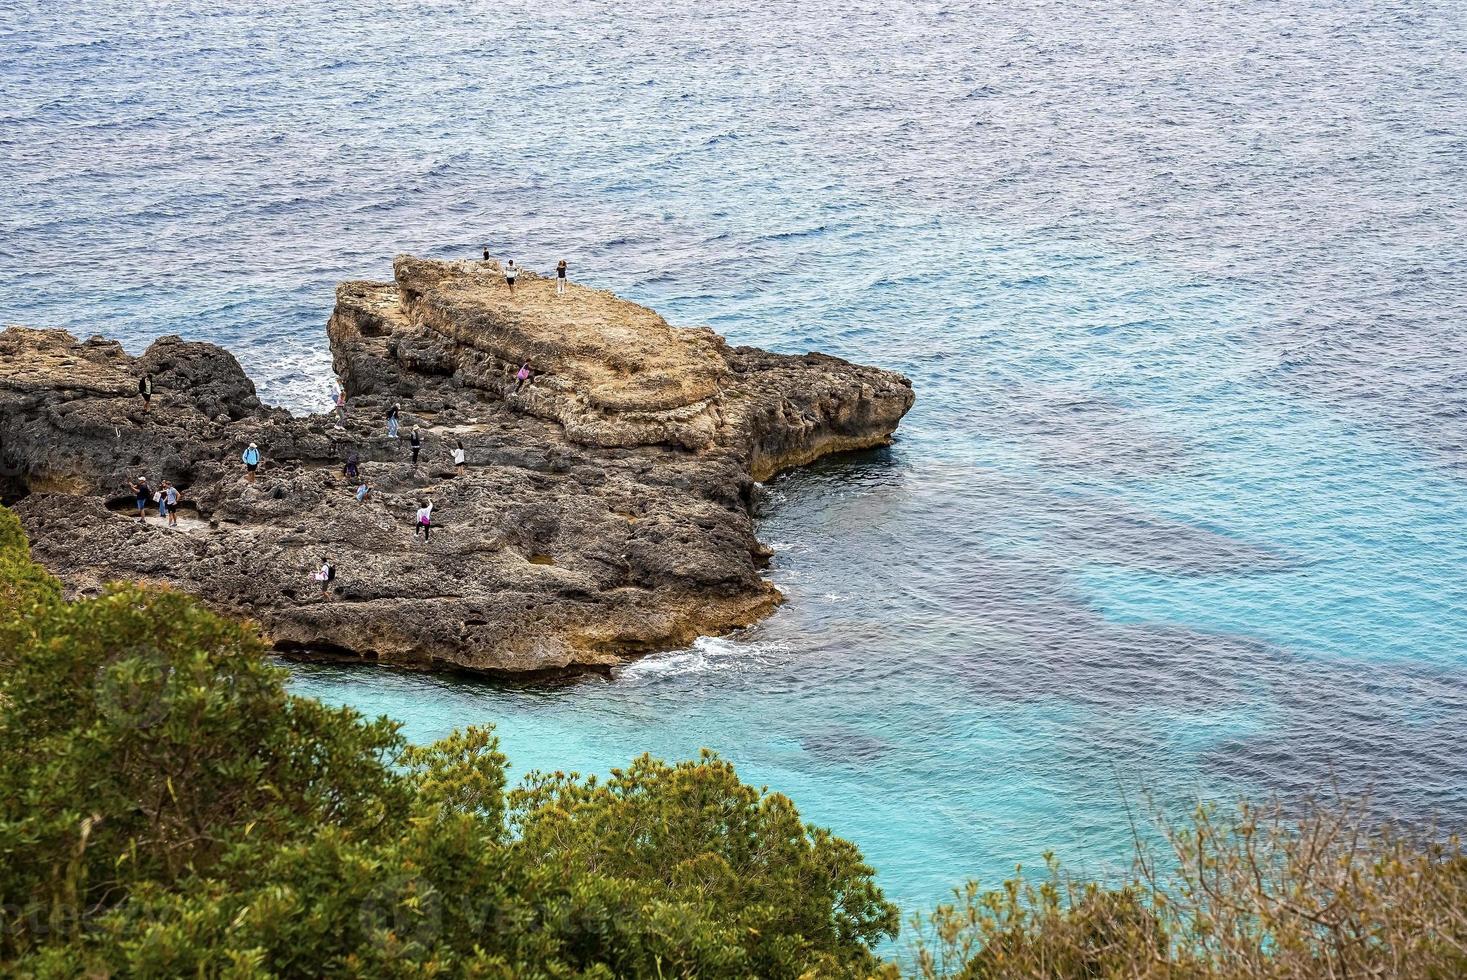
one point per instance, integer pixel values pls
(602, 511)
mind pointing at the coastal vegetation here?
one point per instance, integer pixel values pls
(167, 808)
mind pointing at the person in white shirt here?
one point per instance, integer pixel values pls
(425, 520)
(326, 575)
(511, 271)
(458, 456)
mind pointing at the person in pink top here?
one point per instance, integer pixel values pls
(522, 376)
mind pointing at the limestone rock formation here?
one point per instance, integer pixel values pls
(603, 510)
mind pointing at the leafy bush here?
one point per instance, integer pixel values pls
(168, 809)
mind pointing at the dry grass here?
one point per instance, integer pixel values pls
(1255, 894)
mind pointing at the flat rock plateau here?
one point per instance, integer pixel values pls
(603, 511)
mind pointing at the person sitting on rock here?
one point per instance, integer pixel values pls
(425, 520)
(353, 464)
(511, 272)
(144, 493)
(392, 414)
(458, 456)
(416, 442)
(364, 490)
(145, 389)
(171, 499)
(522, 376)
(251, 457)
(560, 278)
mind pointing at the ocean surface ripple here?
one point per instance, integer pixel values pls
(1181, 504)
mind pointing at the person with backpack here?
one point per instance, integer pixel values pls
(326, 575)
(416, 442)
(251, 457)
(145, 390)
(425, 520)
(143, 493)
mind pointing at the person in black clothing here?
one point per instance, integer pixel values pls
(143, 493)
(353, 462)
(145, 389)
(560, 278)
(416, 441)
(486, 253)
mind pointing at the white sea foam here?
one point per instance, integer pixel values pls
(707, 655)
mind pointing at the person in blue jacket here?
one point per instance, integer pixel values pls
(251, 457)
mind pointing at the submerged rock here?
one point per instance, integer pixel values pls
(603, 510)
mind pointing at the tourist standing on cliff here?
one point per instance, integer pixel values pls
(161, 496)
(425, 520)
(353, 465)
(522, 376)
(392, 414)
(143, 493)
(416, 441)
(145, 389)
(340, 405)
(560, 278)
(325, 575)
(511, 272)
(486, 253)
(170, 497)
(458, 456)
(251, 457)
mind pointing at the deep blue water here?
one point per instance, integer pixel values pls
(1182, 501)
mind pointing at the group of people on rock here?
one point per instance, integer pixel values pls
(166, 497)
(512, 272)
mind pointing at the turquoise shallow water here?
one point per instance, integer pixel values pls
(1181, 501)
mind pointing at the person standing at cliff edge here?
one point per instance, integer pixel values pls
(251, 458)
(392, 414)
(145, 389)
(511, 272)
(560, 278)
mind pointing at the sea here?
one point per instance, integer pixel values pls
(1180, 513)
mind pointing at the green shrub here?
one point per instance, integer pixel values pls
(168, 809)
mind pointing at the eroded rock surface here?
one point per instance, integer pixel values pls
(603, 511)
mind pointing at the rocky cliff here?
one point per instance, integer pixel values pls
(603, 510)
